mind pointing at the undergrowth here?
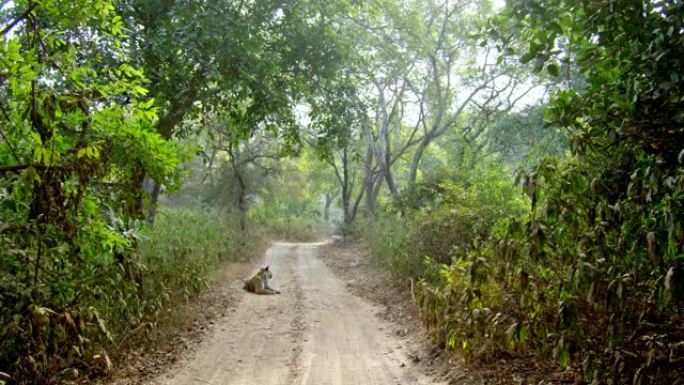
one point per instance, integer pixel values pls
(185, 246)
(441, 221)
(590, 286)
(288, 224)
(88, 311)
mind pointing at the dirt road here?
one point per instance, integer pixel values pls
(315, 332)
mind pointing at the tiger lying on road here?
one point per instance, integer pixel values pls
(259, 283)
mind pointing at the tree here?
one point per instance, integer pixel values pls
(252, 60)
(463, 88)
(244, 167)
(337, 117)
(322, 179)
(522, 138)
(75, 128)
(426, 76)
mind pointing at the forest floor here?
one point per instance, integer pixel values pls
(339, 320)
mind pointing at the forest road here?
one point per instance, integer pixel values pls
(315, 332)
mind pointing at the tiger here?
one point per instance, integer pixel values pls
(259, 283)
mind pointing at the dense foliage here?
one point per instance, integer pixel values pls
(76, 129)
(442, 220)
(522, 139)
(592, 276)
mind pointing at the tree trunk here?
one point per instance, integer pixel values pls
(417, 156)
(165, 127)
(390, 181)
(346, 194)
(369, 177)
(242, 193)
(376, 190)
(154, 198)
(242, 206)
(134, 201)
(328, 202)
(370, 199)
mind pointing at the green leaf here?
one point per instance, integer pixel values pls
(524, 331)
(526, 58)
(36, 138)
(564, 358)
(553, 69)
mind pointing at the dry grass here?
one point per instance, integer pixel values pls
(155, 348)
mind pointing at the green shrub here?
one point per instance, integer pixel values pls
(89, 300)
(390, 238)
(454, 216)
(296, 229)
(592, 276)
(186, 245)
(289, 218)
(583, 283)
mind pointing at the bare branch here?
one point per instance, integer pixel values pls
(18, 19)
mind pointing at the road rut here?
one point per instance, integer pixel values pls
(315, 332)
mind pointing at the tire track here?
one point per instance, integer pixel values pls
(297, 325)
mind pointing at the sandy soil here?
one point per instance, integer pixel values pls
(315, 332)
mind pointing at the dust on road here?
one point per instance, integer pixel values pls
(315, 332)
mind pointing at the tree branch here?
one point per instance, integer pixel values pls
(19, 18)
(20, 167)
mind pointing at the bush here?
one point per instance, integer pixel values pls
(87, 303)
(185, 246)
(295, 229)
(289, 218)
(454, 216)
(390, 238)
(592, 276)
(590, 284)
